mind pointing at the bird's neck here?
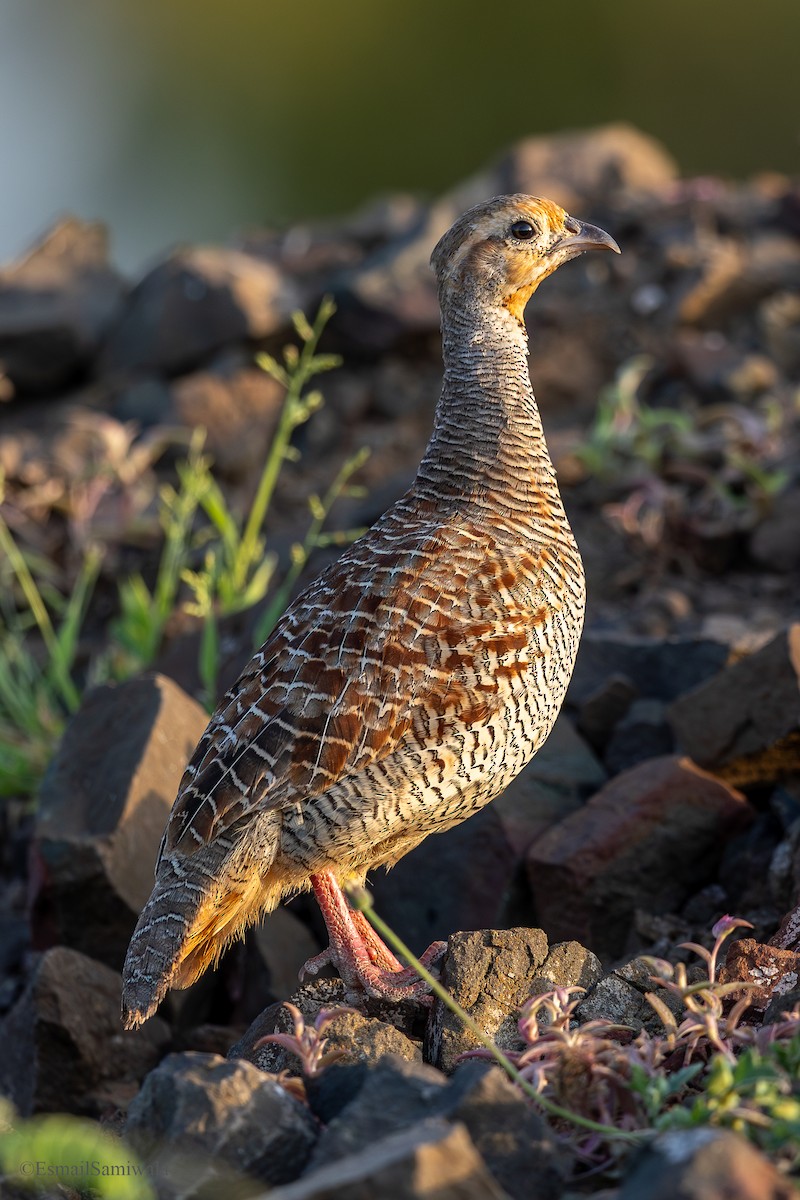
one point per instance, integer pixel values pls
(488, 444)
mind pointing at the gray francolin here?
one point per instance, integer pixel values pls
(409, 683)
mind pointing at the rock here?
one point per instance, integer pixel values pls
(788, 935)
(512, 1139)
(703, 1164)
(641, 734)
(621, 997)
(744, 723)
(780, 320)
(774, 543)
(568, 964)
(393, 292)
(283, 944)
(473, 876)
(577, 169)
(395, 1095)
(781, 1004)
(358, 1038)
(65, 1050)
(603, 709)
(431, 1160)
(658, 668)
(732, 277)
(775, 972)
(490, 973)
(55, 306)
(239, 409)
(103, 806)
(646, 840)
(363, 1036)
(195, 302)
(201, 1122)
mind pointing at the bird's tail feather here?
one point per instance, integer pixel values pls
(186, 924)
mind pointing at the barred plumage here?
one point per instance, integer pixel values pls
(410, 682)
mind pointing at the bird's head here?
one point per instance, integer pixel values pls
(500, 251)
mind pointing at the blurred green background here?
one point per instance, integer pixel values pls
(185, 119)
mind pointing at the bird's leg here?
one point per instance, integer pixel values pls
(360, 956)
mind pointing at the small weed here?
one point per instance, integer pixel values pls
(38, 684)
(606, 1090)
(46, 1153)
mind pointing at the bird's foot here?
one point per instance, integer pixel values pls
(364, 962)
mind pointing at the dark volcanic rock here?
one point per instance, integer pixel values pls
(703, 1164)
(744, 724)
(376, 1028)
(659, 669)
(238, 407)
(515, 1143)
(512, 1138)
(64, 1047)
(195, 302)
(647, 839)
(201, 1122)
(103, 807)
(490, 974)
(395, 1095)
(577, 169)
(641, 734)
(432, 1160)
(55, 305)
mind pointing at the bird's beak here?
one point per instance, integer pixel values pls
(582, 236)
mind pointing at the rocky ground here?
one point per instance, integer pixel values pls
(667, 795)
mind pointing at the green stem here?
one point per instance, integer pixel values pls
(69, 692)
(362, 901)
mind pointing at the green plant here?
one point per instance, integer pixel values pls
(606, 1090)
(38, 689)
(46, 1151)
(237, 570)
(38, 684)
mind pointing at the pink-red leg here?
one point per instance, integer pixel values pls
(360, 956)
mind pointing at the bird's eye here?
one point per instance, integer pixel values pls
(522, 230)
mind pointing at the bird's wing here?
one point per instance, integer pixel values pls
(376, 647)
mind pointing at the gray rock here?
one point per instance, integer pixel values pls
(744, 723)
(356, 1037)
(55, 306)
(600, 711)
(774, 543)
(64, 1047)
(612, 999)
(201, 1122)
(103, 806)
(395, 1095)
(433, 1160)
(511, 1137)
(658, 668)
(393, 292)
(577, 168)
(641, 734)
(646, 840)
(195, 302)
(238, 406)
(490, 973)
(283, 943)
(376, 1028)
(517, 1146)
(703, 1164)
(568, 964)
